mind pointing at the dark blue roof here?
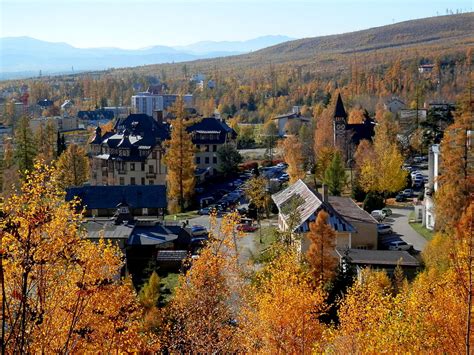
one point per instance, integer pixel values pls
(99, 114)
(45, 103)
(105, 197)
(145, 126)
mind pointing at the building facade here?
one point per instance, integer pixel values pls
(131, 154)
(208, 135)
(149, 102)
(347, 136)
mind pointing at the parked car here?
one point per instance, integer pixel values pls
(379, 215)
(384, 229)
(206, 201)
(400, 245)
(407, 192)
(387, 211)
(246, 228)
(198, 230)
(400, 197)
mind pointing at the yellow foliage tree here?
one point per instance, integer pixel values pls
(292, 154)
(61, 292)
(179, 159)
(73, 167)
(199, 318)
(282, 309)
(384, 172)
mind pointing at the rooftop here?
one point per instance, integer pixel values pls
(378, 257)
(107, 197)
(347, 208)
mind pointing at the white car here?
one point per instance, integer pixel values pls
(384, 229)
(379, 215)
(400, 245)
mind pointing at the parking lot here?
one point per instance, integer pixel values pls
(401, 230)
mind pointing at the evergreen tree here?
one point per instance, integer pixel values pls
(335, 175)
(229, 159)
(150, 292)
(25, 149)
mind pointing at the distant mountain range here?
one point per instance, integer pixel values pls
(26, 56)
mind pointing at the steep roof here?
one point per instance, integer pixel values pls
(360, 131)
(108, 197)
(347, 208)
(311, 203)
(339, 110)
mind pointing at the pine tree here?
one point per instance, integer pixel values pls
(321, 254)
(45, 142)
(179, 159)
(25, 150)
(335, 175)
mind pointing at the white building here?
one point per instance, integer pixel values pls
(147, 102)
(62, 124)
(432, 186)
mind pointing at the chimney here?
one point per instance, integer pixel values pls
(325, 193)
(158, 116)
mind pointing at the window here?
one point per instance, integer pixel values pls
(143, 166)
(132, 166)
(214, 148)
(153, 154)
(207, 160)
(198, 146)
(143, 181)
(214, 160)
(122, 180)
(207, 148)
(150, 169)
(132, 181)
(198, 160)
(151, 182)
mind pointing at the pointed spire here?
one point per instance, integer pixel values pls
(339, 111)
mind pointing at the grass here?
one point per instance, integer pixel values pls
(181, 216)
(168, 283)
(417, 226)
(262, 253)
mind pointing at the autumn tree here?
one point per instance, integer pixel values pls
(73, 167)
(61, 292)
(324, 133)
(148, 296)
(321, 254)
(180, 161)
(456, 180)
(335, 175)
(200, 316)
(25, 147)
(384, 173)
(256, 193)
(282, 309)
(45, 138)
(292, 154)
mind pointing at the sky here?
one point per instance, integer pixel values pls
(135, 24)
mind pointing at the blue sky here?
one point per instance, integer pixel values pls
(141, 23)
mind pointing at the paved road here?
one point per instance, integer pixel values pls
(402, 230)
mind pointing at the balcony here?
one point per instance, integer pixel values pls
(122, 172)
(150, 175)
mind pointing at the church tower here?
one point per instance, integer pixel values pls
(339, 125)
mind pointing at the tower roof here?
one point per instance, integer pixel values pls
(339, 111)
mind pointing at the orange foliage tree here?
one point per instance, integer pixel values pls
(60, 292)
(321, 254)
(282, 307)
(200, 316)
(292, 154)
